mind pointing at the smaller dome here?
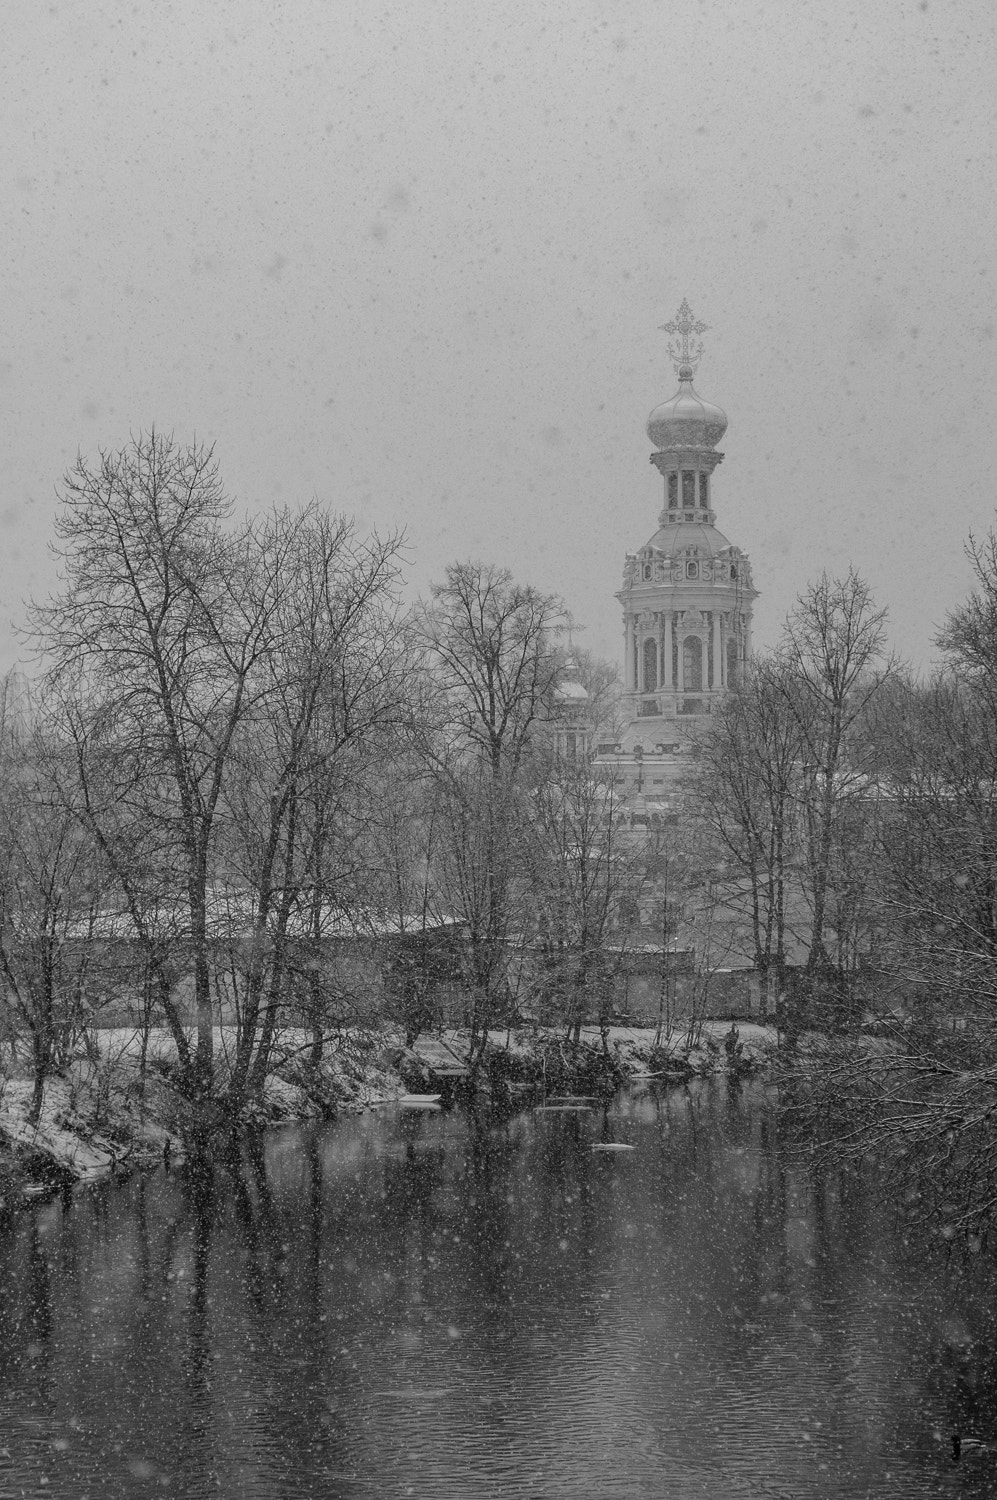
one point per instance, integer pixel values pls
(686, 421)
(673, 539)
(569, 689)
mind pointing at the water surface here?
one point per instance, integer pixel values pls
(435, 1305)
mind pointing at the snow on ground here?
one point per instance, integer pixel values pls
(449, 1048)
(61, 1136)
(104, 1111)
(752, 1034)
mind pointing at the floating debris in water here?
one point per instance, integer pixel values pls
(612, 1146)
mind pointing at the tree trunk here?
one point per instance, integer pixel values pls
(41, 1057)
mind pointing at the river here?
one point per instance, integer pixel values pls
(418, 1303)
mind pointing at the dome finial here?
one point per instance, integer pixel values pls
(683, 346)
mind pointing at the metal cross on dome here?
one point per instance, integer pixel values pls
(685, 328)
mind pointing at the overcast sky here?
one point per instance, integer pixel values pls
(413, 258)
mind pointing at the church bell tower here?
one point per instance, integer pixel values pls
(687, 593)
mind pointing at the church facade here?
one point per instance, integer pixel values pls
(687, 593)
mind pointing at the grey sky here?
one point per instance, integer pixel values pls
(412, 259)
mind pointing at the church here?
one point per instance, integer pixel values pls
(687, 592)
(687, 600)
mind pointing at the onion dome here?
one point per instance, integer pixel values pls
(686, 421)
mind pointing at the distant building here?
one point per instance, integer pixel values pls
(570, 728)
(687, 594)
(687, 601)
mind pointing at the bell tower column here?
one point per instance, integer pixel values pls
(717, 651)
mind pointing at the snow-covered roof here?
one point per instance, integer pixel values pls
(232, 913)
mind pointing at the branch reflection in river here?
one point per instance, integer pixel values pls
(411, 1299)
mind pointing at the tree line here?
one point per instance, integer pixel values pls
(238, 746)
(850, 808)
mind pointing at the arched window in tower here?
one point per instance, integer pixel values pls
(673, 488)
(650, 665)
(688, 490)
(731, 663)
(704, 492)
(692, 664)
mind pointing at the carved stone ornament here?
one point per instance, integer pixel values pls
(647, 619)
(692, 619)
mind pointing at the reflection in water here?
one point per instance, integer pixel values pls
(481, 1305)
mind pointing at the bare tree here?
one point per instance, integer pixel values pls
(492, 645)
(584, 880)
(331, 698)
(833, 651)
(938, 851)
(403, 844)
(479, 819)
(669, 882)
(50, 892)
(969, 635)
(161, 625)
(922, 1100)
(744, 792)
(142, 919)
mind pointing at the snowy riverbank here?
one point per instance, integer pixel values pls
(112, 1110)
